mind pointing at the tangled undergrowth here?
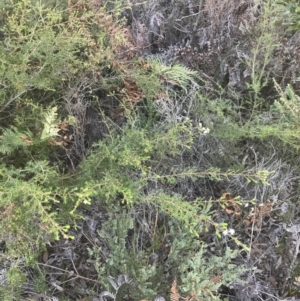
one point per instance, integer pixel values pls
(149, 150)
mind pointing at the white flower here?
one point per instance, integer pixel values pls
(228, 231)
(231, 231)
(206, 131)
(203, 129)
(246, 205)
(86, 202)
(225, 233)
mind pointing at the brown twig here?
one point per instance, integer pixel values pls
(65, 271)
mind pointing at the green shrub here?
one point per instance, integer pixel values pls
(291, 13)
(52, 56)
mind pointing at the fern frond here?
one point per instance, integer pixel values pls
(177, 75)
(174, 295)
(50, 128)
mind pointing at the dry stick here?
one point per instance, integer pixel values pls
(11, 100)
(197, 22)
(65, 271)
(288, 276)
(155, 225)
(74, 266)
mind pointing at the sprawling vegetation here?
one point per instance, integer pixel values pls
(149, 150)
